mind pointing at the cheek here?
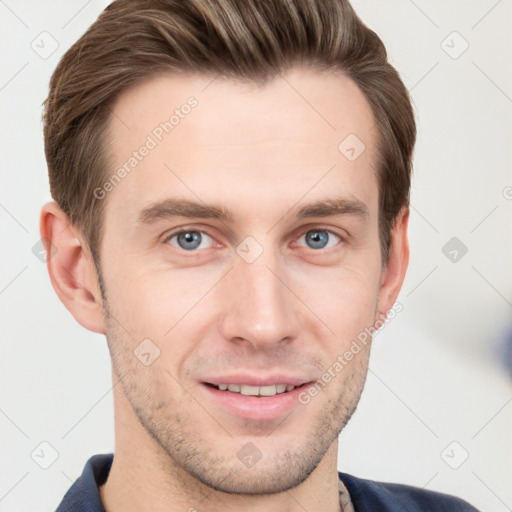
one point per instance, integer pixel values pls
(344, 298)
(168, 307)
(147, 296)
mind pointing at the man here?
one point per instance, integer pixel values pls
(231, 184)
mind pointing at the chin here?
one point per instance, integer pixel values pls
(278, 473)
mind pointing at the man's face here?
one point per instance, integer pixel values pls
(259, 300)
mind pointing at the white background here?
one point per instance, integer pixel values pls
(440, 372)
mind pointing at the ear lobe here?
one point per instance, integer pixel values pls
(393, 274)
(71, 268)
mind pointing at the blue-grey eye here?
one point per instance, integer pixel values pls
(188, 240)
(320, 238)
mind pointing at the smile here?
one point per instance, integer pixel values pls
(248, 390)
(255, 398)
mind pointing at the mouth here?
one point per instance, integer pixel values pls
(250, 390)
(258, 399)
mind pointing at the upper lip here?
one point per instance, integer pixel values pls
(259, 380)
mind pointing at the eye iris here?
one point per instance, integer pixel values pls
(318, 239)
(189, 237)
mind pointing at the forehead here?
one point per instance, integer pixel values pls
(199, 137)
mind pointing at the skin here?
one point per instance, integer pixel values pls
(262, 152)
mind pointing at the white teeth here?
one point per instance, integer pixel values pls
(247, 390)
(268, 390)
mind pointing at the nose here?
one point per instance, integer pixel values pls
(260, 307)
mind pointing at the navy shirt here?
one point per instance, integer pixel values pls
(366, 495)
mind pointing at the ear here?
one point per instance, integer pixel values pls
(393, 273)
(71, 268)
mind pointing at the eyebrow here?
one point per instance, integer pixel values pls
(169, 208)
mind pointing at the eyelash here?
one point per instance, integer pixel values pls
(202, 231)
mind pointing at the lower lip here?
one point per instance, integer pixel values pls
(255, 407)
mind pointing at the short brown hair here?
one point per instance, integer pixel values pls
(256, 40)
